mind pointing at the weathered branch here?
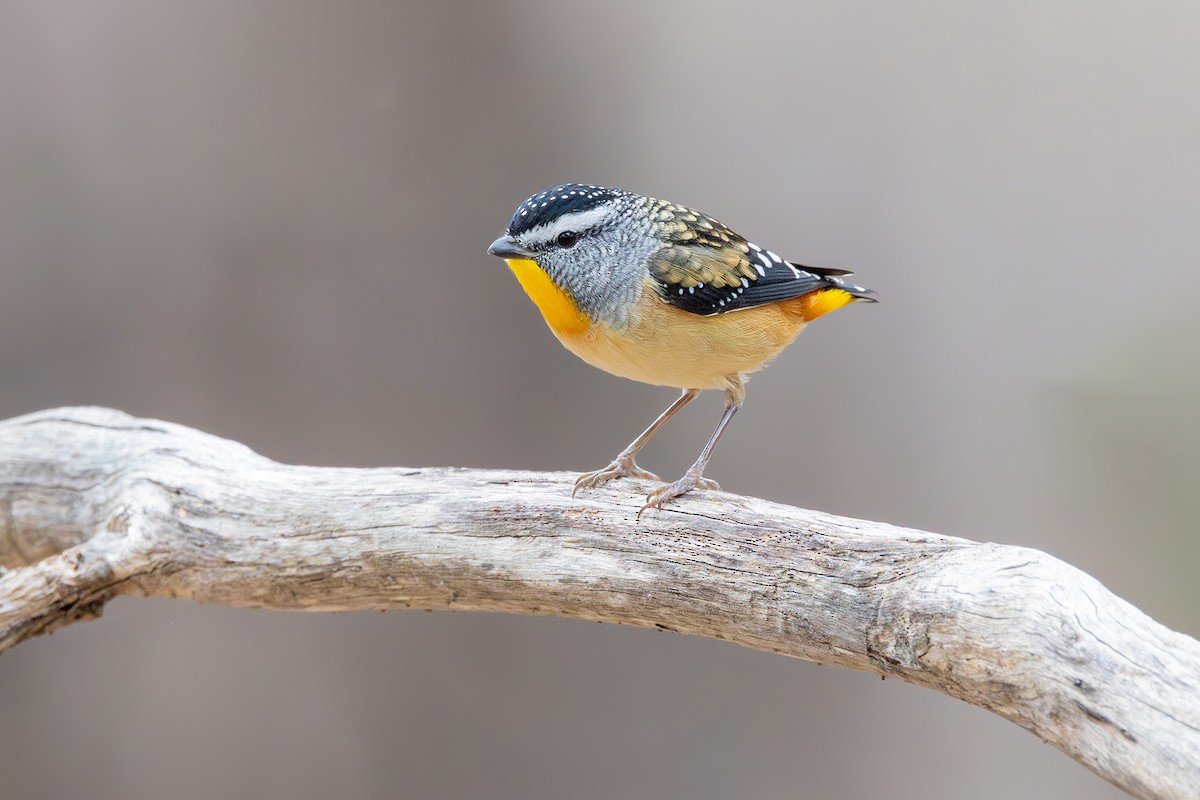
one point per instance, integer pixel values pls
(95, 504)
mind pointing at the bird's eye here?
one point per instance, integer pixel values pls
(567, 239)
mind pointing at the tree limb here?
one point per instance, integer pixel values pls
(96, 504)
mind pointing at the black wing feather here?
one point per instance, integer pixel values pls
(705, 268)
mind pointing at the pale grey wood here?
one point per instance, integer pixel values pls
(95, 504)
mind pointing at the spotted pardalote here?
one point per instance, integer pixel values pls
(659, 293)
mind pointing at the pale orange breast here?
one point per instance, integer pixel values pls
(669, 347)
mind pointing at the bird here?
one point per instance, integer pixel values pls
(659, 293)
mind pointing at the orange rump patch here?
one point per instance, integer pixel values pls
(820, 302)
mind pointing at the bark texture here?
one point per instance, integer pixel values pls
(95, 504)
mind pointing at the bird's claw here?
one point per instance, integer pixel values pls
(621, 468)
(679, 488)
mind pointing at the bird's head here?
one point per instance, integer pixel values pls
(590, 242)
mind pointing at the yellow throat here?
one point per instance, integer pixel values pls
(557, 307)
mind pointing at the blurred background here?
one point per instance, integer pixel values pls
(267, 220)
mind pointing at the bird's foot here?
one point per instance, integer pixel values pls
(690, 480)
(623, 467)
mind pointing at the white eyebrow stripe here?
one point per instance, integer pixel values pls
(575, 221)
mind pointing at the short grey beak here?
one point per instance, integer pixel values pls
(508, 247)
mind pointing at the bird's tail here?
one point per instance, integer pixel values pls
(836, 293)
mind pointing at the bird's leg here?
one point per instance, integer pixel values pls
(694, 477)
(623, 465)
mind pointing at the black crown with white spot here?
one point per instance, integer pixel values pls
(553, 203)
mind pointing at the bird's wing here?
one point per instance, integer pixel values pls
(705, 268)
